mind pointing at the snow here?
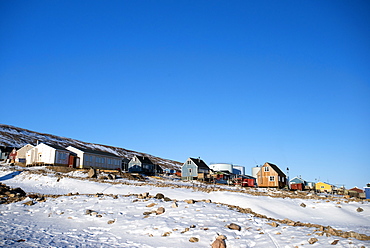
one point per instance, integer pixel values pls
(63, 222)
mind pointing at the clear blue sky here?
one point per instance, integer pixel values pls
(245, 82)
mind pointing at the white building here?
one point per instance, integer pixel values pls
(87, 158)
(222, 167)
(43, 154)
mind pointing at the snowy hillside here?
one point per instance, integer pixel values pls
(18, 137)
(118, 213)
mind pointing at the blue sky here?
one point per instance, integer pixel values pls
(244, 82)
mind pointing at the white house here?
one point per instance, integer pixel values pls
(87, 158)
(21, 153)
(44, 154)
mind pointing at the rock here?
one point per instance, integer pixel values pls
(359, 210)
(312, 240)
(335, 242)
(88, 211)
(110, 177)
(166, 234)
(166, 199)
(194, 239)
(234, 226)
(92, 173)
(111, 221)
(274, 224)
(159, 196)
(147, 213)
(193, 226)
(19, 191)
(219, 242)
(29, 203)
(208, 201)
(175, 205)
(145, 195)
(303, 205)
(151, 205)
(189, 201)
(160, 210)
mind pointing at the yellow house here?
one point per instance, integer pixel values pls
(324, 187)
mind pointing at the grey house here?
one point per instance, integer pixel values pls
(194, 168)
(142, 164)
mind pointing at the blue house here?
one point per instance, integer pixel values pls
(194, 168)
(142, 164)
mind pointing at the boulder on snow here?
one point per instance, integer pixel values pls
(92, 173)
(219, 242)
(160, 210)
(194, 239)
(312, 241)
(234, 226)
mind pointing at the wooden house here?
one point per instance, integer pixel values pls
(88, 158)
(21, 153)
(297, 183)
(195, 168)
(44, 154)
(356, 192)
(324, 187)
(270, 176)
(142, 164)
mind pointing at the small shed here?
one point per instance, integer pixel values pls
(367, 192)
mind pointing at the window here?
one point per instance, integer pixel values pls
(267, 168)
(190, 171)
(189, 162)
(272, 178)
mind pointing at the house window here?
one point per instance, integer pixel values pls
(322, 187)
(267, 168)
(189, 162)
(272, 178)
(190, 171)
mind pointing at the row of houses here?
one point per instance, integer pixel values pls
(47, 154)
(268, 175)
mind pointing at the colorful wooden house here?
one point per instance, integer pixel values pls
(270, 176)
(324, 187)
(44, 154)
(142, 164)
(195, 168)
(21, 153)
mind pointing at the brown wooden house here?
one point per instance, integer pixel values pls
(270, 176)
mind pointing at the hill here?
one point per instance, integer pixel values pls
(11, 136)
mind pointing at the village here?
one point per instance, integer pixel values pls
(267, 175)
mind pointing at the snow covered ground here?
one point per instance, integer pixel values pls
(63, 222)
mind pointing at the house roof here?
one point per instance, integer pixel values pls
(357, 190)
(97, 152)
(57, 147)
(144, 160)
(276, 168)
(200, 163)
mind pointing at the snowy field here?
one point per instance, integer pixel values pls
(118, 220)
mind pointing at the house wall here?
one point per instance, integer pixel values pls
(189, 170)
(21, 153)
(88, 160)
(263, 177)
(44, 154)
(322, 187)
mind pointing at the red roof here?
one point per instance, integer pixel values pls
(357, 190)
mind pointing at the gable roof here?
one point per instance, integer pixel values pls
(357, 190)
(56, 147)
(276, 168)
(144, 160)
(98, 152)
(200, 163)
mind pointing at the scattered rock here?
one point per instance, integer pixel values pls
(219, 242)
(359, 210)
(194, 239)
(160, 210)
(92, 173)
(166, 234)
(273, 224)
(159, 196)
(312, 240)
(29, 203)
(175, 205)
(191, 201)
(166, 199)
(335, 242)
(303, 205)
(234, 226)
(111, 221)
(151, 205)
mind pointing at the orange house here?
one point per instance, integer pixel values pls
(270, 176)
